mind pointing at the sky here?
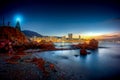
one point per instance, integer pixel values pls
(60, 17)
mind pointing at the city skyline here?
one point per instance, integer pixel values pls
(58, 18)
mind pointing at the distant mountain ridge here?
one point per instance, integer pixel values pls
(29, 33)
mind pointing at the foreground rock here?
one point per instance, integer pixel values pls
(83, 52)
(17, 67)
(46, 45)
(92, 45)
(13, 35)
(11, 38)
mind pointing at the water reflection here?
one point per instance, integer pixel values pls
(100, 63)
(64, 45)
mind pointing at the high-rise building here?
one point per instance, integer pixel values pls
(70, 35)
(63, 37)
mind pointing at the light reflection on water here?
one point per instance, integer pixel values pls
(64, 45)
(104, 62)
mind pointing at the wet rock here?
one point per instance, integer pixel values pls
(76, 55)
(20, 53)
(93, 44)
(13, 60)
(48, 69)
(83, 52)
(47, 45)
(6, 46)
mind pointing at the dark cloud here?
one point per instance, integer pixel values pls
(116, 19)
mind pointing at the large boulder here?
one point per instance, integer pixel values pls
(47, 45)
(93, 44)
(83, 52)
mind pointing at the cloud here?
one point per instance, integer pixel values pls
(116, 19)
(110, 36)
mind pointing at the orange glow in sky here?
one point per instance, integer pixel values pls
(94, 35)
(90, 35)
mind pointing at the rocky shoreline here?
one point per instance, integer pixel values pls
(16, 62)
(25, 67)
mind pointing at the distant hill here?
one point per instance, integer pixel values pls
(12, 34)
(29, 33)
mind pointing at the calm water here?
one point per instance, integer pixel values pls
(103, 63)
(63, 45)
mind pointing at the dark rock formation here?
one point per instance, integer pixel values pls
(47, 45)
(83, 52)
(13, 35)
(4, 45)
(83, 48)
(93, 44)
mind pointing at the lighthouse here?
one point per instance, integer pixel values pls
(18, 26)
